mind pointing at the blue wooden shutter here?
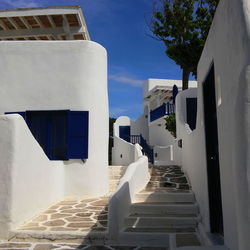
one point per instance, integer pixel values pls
(78, 130)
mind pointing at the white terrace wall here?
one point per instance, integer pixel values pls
(158, 135)
(41, 75)
(140, 126)
(228, 46)
(29, 182)
(122, 151)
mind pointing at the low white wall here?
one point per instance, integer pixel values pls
(163, 155)
(134, 180)
(140, 126)
(167, 155)
(29, 181)
(122, 152)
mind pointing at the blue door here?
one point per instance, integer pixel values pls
(191, 104)
(124, 133)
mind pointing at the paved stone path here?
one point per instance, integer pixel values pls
(91, 215)
(64, 246)
(88, 215)
(167, 179)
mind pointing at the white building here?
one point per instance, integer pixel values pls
(60, 89)
(159, 98)
(216, 154)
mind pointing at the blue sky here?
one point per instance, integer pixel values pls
(133, 56)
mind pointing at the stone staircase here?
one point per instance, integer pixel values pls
(166, 206)
(115, 174)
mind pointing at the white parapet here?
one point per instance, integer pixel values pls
(29, 181)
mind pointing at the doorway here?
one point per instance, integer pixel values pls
(212, 153)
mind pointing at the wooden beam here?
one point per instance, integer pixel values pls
(52, 23)
(38, 21)
(3, 25)
(25, 22)
(66, 27)
(57, 37)
(38, 32)
(13, 23)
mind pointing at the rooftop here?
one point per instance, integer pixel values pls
(154, 87)
(43, 23)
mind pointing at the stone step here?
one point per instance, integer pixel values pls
(115, 177)
(160, 221)
(114, 181)
(163, 190)
(114, 169)
(146, 240)
(163, 208)
(161, 230)
(164, 197)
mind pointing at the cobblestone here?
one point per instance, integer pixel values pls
(72, 215)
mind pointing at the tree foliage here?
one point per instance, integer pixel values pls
(170, 124)
(183, 26)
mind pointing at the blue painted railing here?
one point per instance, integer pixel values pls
(164, 109)
(146, 149)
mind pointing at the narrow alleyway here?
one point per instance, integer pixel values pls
(166, 207)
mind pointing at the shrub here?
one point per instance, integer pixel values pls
(170, 124)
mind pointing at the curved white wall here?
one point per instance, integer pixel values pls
(121, 121)
(55, 75)
(140, 126)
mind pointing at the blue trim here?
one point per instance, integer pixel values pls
(63, 134)
(164, 109)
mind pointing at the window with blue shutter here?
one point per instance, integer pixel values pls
(78, 123)
(63, 134)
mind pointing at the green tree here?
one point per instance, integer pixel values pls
(183, 26)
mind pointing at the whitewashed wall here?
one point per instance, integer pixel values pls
(122, 152)
(158, 134)
(49, 75)
(29, 181)
(228, 46)
(140, 126)
(134, 180)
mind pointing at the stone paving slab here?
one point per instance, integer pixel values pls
(166, 179)
(64, 246)
(87, 215)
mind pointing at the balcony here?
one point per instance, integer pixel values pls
(164, 109)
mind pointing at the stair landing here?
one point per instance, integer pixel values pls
(67, 219)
